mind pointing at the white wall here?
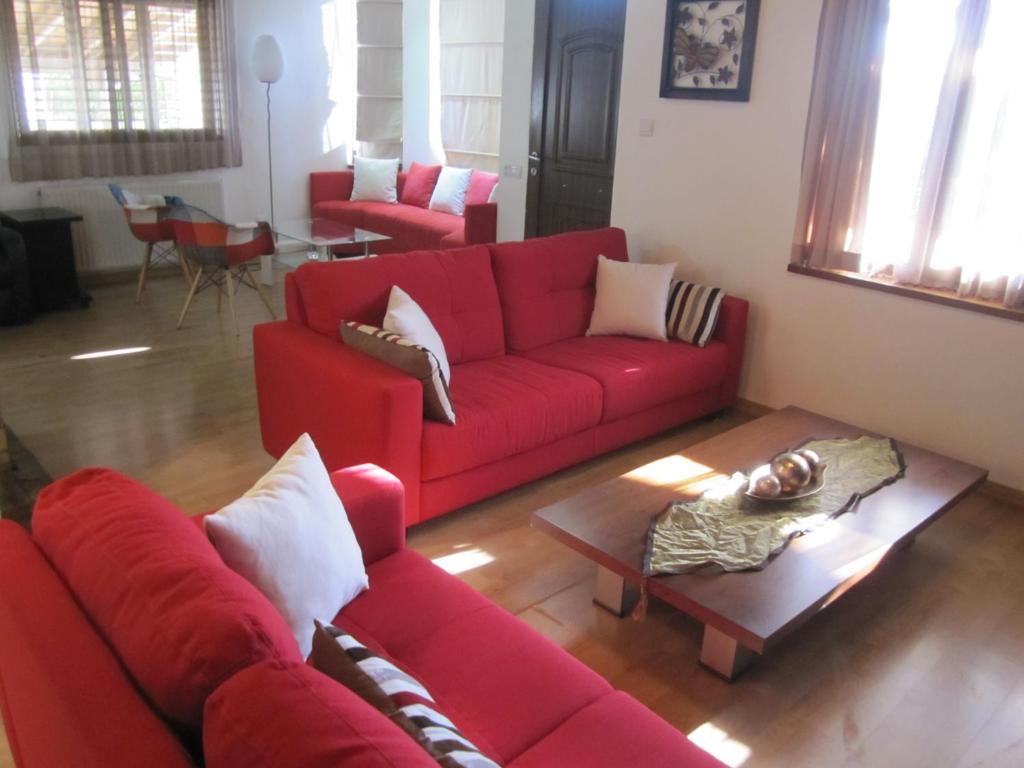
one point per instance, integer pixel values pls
(716, 189)
(516, 85)
(300, 108)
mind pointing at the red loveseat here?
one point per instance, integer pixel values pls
(126, 641)
(410, 227)
(532, 394)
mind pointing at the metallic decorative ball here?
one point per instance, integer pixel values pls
(767, 485)
(792, 471)
(813, 459)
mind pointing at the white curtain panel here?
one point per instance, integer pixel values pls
(472, 35)
(379, 78)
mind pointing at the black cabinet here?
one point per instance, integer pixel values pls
(51, 256)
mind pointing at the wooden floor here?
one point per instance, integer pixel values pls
(922, 665)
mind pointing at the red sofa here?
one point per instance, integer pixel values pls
(532, 394)
(409, 227)
(126, 641)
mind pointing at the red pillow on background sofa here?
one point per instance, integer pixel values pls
(420, 181)
(481, 183)
(179, 619)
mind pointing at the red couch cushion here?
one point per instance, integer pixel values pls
(637, 374)
(419, 184)
(66, 699)
(503, 684)
(455, 288)
(481, 183)
(178, 618)
(351, 212)
(506, 406)
(615, 731)
(416, 228)
(547, 285)
(288, 715)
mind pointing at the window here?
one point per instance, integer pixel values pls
(379, 78)
(472, 32)
(915, 154)
(100, 75)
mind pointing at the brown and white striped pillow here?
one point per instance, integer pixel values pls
(692, 312)
(419, 362)
(396, 694)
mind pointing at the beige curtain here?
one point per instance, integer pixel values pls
(379, 78)
(472, 35)
(116, 87)
(840, 133)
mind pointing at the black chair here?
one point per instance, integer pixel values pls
(15, 282)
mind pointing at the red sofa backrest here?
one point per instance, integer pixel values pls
(546, 285)
(179, 619)
(455, 288)
(65, 697)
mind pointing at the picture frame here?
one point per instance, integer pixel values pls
(709, 49)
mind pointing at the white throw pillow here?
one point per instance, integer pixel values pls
(631, 299)
(450, 191)
(493, 197)
(290, 537)
(406, 318)
(375, 180)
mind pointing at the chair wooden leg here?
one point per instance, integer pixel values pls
(183, 262)
(191, 294)
(143, 271)
(228, 276)
(259, 289)
(221, 287)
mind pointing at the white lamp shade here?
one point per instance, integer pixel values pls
(267, 61)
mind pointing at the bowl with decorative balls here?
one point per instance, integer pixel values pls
(791, 475)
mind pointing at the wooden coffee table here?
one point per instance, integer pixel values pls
(749, 612)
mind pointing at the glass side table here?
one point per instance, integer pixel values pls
(324, 235)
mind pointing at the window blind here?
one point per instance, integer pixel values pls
(119, 87)
(472, 39)
(379, 78)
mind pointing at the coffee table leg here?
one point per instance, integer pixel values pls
(723, 654)
(613, 592)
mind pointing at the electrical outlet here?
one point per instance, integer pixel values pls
(512, 171)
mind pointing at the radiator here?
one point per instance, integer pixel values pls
(102, 239)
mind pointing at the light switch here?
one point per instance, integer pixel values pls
(646, 127)
(512, 171)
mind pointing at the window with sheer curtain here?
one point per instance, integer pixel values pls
(472, 35)
(915, 146)
(378, 129)
(112, 87)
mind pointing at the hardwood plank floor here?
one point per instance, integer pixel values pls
(921, 665)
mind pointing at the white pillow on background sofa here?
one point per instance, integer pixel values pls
(631, 299)
(450, 191)
(375, 180)
(290, 537)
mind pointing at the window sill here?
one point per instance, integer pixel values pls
(934, 295)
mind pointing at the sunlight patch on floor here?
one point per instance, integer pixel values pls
(717, 742)
(461, 562)
(110, 353)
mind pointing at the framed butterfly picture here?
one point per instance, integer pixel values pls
(709, 49)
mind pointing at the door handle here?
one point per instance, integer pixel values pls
(534, 157)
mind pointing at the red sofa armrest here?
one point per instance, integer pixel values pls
(374, 500)
(481, 224)
(355, 408)
(330, 185)
(732, 331)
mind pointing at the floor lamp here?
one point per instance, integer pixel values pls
(268, 66)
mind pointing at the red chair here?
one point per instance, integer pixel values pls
(149, 224)
(219, 253)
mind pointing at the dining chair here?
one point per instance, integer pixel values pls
(219, 253)
(148, 222)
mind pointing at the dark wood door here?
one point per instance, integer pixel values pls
(576, 71)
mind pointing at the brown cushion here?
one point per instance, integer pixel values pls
(407, 357)
(409, 705)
